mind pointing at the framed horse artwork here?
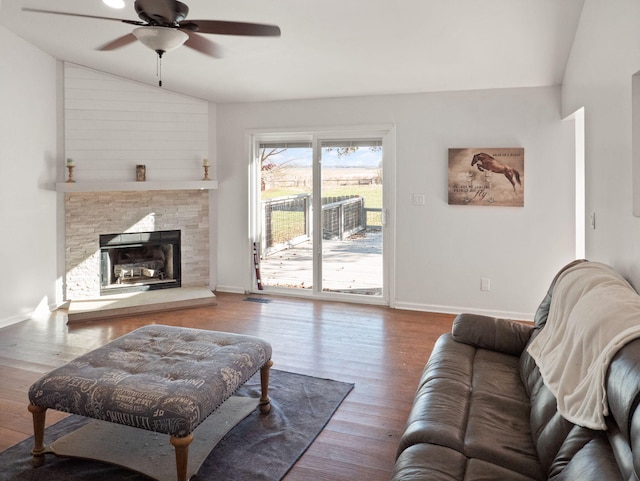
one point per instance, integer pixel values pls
(486, 176)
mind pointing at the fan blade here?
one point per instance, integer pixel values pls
(37, 10)
(162, 12)
(233, 28)
(118, 42)
(203, 45)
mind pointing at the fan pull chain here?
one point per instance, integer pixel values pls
(159, 67)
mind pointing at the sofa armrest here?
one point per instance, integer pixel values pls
(503, 335)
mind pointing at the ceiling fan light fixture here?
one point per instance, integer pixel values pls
(160, 39)
(114, 3)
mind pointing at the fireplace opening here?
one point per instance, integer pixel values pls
(139, 261)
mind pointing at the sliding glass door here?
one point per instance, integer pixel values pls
(351, 216)
(319, 215)
(285, 214)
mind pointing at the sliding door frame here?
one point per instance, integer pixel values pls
(386, 133)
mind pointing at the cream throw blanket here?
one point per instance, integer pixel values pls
(594, 312)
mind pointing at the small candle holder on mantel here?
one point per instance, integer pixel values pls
(205, 166)
(70, 165)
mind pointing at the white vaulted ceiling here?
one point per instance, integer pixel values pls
(328, 48)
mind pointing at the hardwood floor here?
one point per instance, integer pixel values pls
(381, 350)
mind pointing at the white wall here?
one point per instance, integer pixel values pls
(605, 55)
(28, 150)
(442, 251)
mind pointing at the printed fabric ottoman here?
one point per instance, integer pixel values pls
(158, 378)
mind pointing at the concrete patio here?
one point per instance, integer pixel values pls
(353, 265)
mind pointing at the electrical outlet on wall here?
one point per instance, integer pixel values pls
(485, 284)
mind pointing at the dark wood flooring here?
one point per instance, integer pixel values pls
(381, 350)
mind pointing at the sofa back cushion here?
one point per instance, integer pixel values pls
(623, 397)
(542, 313)
(528, 370)
(566, 450)
(556, 439)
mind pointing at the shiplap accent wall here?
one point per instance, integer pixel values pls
(112, 124)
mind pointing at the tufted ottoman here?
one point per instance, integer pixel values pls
(157, 378)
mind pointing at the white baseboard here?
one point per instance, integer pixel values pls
(40, 313)
(412, 306)
(9, 321)
(409, 306)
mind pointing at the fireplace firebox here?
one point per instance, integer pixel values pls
(139, 261)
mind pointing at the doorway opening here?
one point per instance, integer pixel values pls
(578, 118)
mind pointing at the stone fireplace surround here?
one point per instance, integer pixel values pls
(90, 214)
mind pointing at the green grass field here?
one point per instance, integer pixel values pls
(371, 193)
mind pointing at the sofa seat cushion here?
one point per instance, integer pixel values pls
(438, 416)
(471, 400)
(430, 462)
(440, 407)
(498, 432)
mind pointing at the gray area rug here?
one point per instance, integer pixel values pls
(259, 448)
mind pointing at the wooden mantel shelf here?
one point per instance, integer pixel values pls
(115, 186)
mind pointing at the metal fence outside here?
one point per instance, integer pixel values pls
(287, 220)
(342, 217)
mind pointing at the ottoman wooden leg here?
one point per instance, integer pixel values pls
(182, 455)
(265, 402)
(39, 415)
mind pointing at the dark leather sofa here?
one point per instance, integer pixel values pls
(483, 412)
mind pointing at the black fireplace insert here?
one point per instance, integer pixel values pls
(139, 261)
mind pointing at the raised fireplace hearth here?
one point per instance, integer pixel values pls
(139, 261)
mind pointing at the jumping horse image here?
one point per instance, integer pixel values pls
(485, 162)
